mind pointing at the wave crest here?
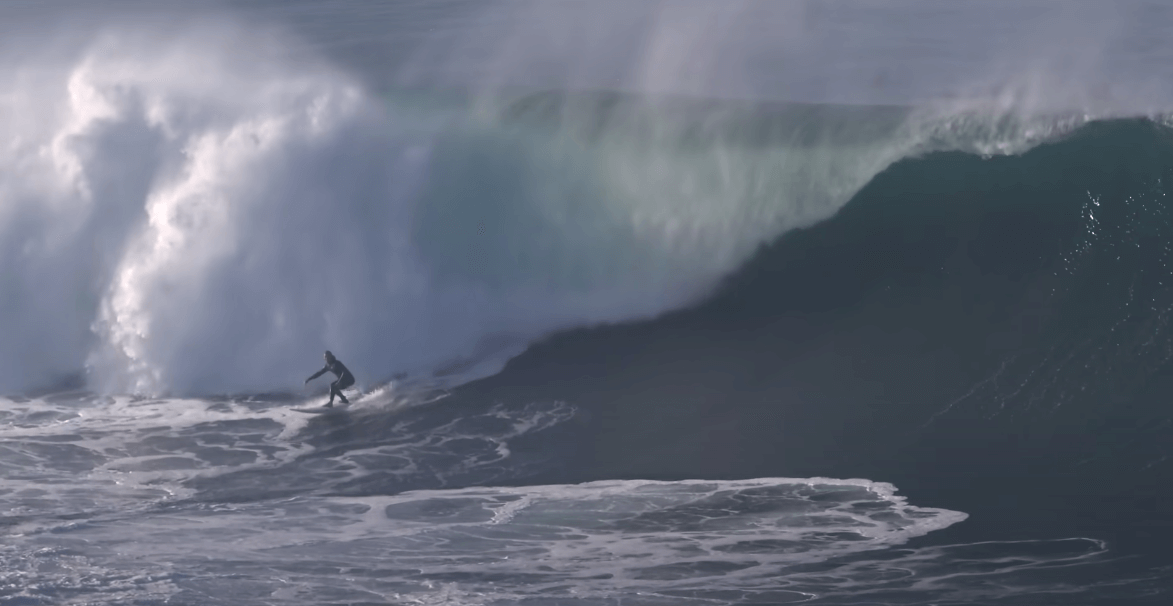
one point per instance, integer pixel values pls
(179, 220)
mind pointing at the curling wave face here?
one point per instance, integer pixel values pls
(176, 220)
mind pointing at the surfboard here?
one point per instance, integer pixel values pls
(321, 410)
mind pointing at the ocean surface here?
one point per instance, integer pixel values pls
(650, 303)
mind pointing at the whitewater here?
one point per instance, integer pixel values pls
(196, 200)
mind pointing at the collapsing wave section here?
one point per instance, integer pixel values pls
(174, 220)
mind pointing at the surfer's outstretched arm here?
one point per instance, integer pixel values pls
(317, 374)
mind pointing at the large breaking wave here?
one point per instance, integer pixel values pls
(174, 219)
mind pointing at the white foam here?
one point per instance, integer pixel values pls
(74, 454)
(181, 498)
(91, 455)
(723, 542)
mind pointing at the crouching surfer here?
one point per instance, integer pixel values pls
(345, 379)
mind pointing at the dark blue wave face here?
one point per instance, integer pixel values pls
(990, 335)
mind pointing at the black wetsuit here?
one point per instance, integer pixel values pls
(345, 379)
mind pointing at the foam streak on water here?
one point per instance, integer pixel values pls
(599, 541)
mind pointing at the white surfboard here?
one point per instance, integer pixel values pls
(321, 410)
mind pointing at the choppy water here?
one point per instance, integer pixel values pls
(111, 500)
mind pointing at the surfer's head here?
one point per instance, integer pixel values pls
(329, 356)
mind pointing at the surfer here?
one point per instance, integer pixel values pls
(345, 379)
